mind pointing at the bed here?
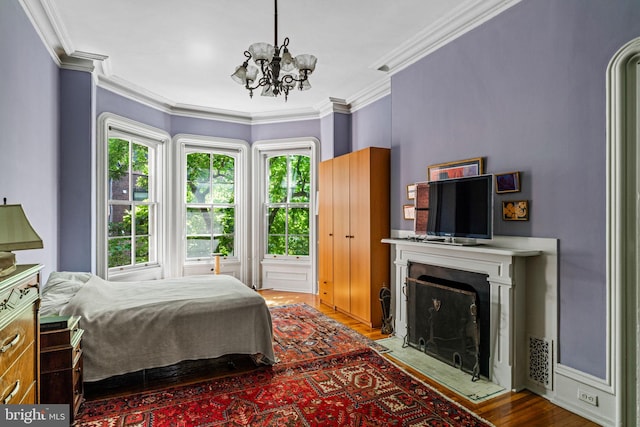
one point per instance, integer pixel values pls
(130, 326)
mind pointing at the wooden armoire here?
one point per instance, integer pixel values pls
(353, 218)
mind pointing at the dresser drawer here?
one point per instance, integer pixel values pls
(17, 381)
(16, 337)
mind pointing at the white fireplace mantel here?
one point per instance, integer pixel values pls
(505, 268)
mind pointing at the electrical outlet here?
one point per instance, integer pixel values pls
(591, 399)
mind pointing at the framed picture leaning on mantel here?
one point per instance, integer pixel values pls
(458, 169)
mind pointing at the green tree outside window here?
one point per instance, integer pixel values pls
(131, 210)
(287, 205)
(210, 204)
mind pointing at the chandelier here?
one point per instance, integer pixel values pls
(280, 74)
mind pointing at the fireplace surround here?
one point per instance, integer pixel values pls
(504, 269)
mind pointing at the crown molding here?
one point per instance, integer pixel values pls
(448, 28)
(45, 20)
(333, 105)
(39, 13)
(138, 94)
(371, 94)
(294, 115)
(72, 62)
(153, 100)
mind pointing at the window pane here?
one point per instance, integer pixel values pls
(140, 159)
(119, 252)
(142, 249)
(142, 220)
(119, 169)
(276, 220)
(199, 247)
(198, 177)
(223, 220)
(298, 221)
(276, 244)
(119, 220)
(199, 221)
(300, 186)
(225, 245)
(298, 245)
(278, 186)
(223, 173)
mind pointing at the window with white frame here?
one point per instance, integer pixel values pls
(130, 196)
(287, 205)
(214, 206)
(210, 204)
(284, 220)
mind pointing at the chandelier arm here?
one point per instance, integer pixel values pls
(262, 81)
(288, 79)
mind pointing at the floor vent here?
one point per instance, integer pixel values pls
(540, 355)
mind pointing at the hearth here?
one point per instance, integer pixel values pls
(448, 316)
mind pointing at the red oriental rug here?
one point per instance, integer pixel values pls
(351, 386)
(301, 333)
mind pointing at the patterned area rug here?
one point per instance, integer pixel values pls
(301, 333)
(334, 378)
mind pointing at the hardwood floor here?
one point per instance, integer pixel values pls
(508, 410)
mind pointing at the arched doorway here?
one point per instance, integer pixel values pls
(623, 266)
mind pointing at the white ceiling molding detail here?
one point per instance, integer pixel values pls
(460, 19)
(39, 17)
(371, 94)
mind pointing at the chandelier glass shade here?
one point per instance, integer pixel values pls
(275, 69)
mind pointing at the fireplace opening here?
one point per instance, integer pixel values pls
(448, 316)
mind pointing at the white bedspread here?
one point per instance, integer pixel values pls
(131, 326)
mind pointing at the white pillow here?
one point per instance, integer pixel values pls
(59, 289)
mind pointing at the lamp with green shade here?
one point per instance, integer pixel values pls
(16, 233)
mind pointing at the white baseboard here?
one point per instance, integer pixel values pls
(570, 383)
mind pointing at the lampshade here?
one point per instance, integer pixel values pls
(240, 75)
(287, 63)
(306, 62)
(262, 52)
(16, 233)
(252, 73)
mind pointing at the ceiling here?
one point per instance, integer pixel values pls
(180, 53)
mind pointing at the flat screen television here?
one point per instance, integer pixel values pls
(458, 208)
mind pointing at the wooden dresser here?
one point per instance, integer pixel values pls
(19, 344)
(61, 365)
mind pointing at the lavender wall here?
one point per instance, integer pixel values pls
(29, 122)
(110, 102)
(326, 137)
(341, 134)
(526, 91)
(204, 127)
(371, 125)
(302, 128)
(77, 141)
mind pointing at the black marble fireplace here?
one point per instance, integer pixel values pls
(448, 316)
